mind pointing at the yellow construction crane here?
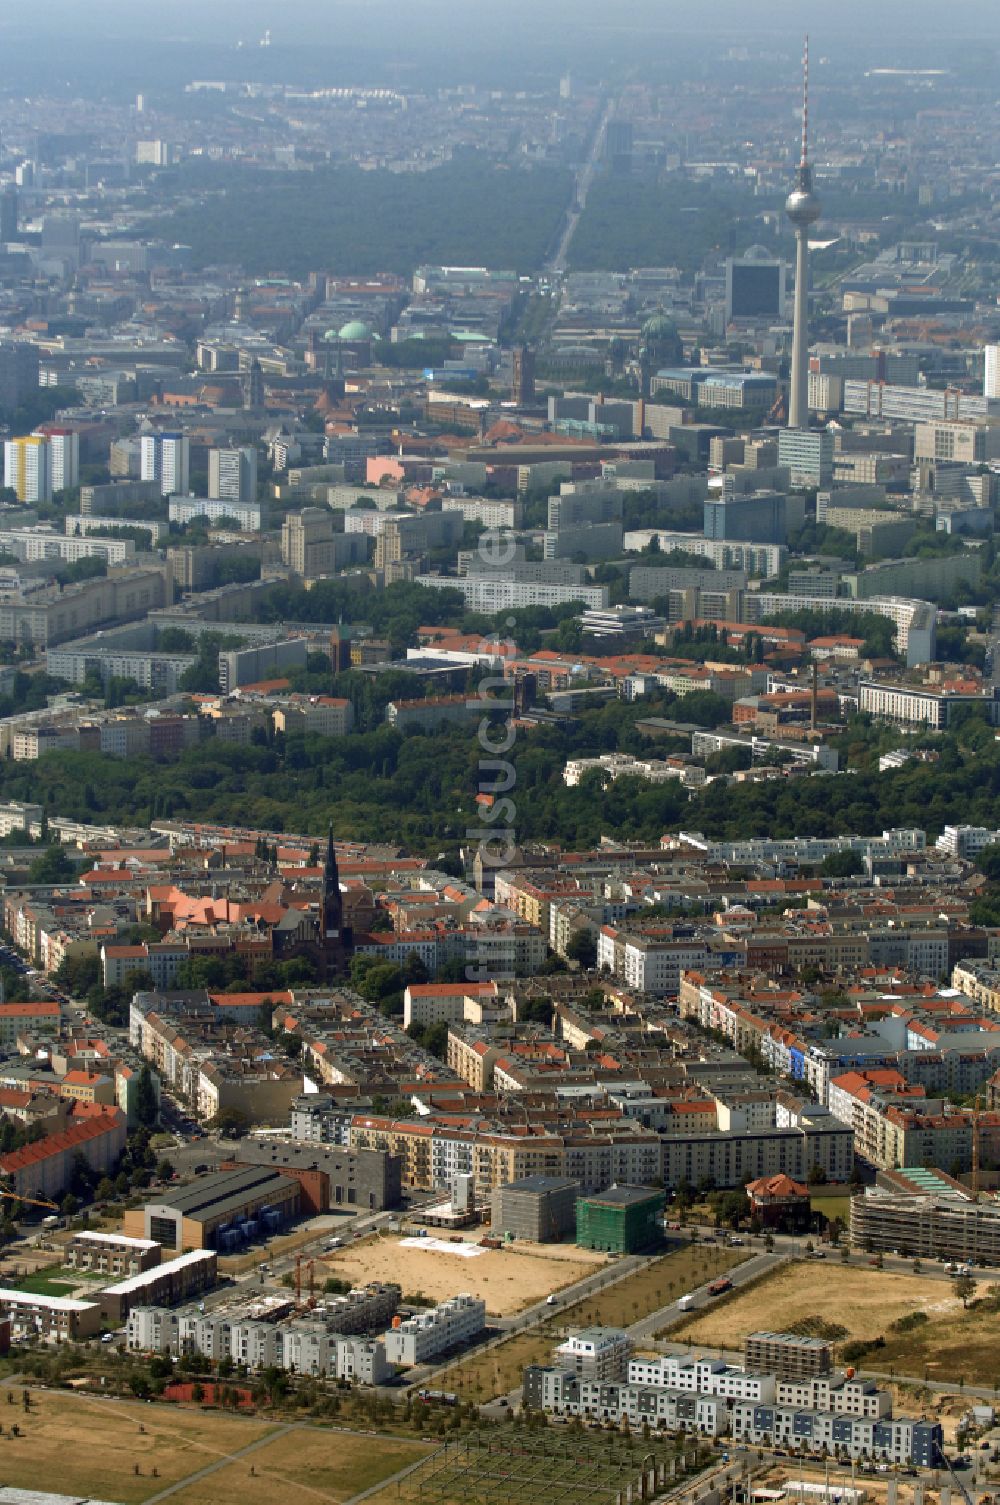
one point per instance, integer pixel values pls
(28, 1201)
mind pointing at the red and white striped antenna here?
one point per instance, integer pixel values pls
(805, 104)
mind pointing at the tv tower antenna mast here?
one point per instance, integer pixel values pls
(803, 209)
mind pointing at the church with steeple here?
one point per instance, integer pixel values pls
(336, 941)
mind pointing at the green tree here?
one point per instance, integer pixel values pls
(842, 865)
(146, 1111)
(582, 947)
(53, 866)
(964, 1287)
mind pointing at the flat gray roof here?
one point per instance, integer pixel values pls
(541, 1184)
(626, 1196)
(220, 1192)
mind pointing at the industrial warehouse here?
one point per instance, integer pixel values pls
(222, 1211)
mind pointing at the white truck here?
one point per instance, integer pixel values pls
(685, 1304)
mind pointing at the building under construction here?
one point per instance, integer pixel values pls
(925, 1214)
(621, 1220)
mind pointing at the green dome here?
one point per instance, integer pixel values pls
(659, 327)
(355, 329)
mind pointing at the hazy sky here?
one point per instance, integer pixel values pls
(455, 21)
(113, 42)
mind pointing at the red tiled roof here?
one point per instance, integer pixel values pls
(79, 1132)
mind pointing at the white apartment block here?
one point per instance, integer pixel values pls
(486, 594)
(450, 1325)
(596, 1353)
(702, 1376)
(184, 509)
(625, 766)
(966, 841)
(646, 964)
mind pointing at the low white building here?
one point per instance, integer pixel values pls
(428, 1334)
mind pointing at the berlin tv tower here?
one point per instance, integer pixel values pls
(803, 209)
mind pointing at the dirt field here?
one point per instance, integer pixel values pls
(863, 1301)
(303, 1466)
(507, 1279)
(498, 1372)
(90, 1447)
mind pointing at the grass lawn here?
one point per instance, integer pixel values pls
(498, 1371)
(89, 1447)
(660, 1283)
(307, 1464)
(832, 1204)
(52, 1281)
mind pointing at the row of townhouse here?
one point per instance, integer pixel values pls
(49, 929)
(213, 1063)
(301, 1347)
(978, 980)
(954, 1063)
(560, 1392)
(901, 1440)
(841, 1393)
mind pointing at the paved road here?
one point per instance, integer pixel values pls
(754, 1266)
(584, 178)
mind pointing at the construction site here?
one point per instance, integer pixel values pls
(571, 1468)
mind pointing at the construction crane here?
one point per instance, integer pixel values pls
(975, 1149)
(311, 1273)
(963, 1491)
(28, 1201)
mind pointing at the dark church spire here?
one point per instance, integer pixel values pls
(331, 873)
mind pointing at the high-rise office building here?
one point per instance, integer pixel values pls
(755, 286)
(761, 518)
(803, 209)
(18, 374)
(26, 468)
(61, 235)
(523, 375)
(8, 214)
(64, 457)
(252, 384)
(166, 458)
(808, 456)
(991, 371)
(618, 144)
(232, 474)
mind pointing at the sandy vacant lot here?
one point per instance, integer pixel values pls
(862, 1301)
(507, 1279)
